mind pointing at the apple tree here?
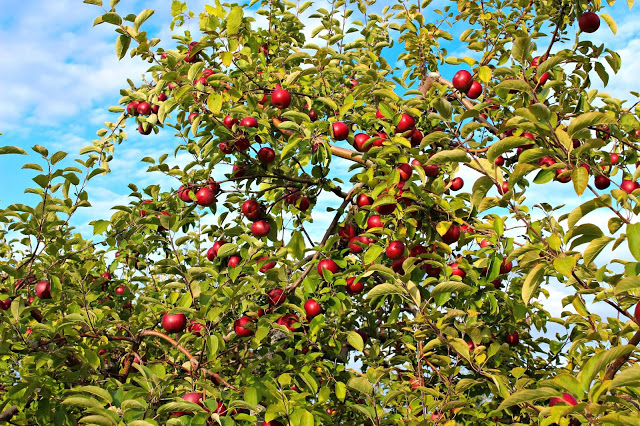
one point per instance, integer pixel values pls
(320, 259)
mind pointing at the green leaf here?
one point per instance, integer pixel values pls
(599, 362)
(12, 150)
(296, 244)
(627, 284)
(360, 384)
(609, 20)
(633, 238)
(548, 64)
(355, 340)
(234, 20)
(580, 179)
(594, 248)
(58, 156)
(180, 406)
(449, 156)
(122, 45)
(527, 395)
(627, 377)
(565, 265)
(251, 396)
(484, 73)
(328, 102)
(80, 401)
(372, 253)
(341, 391)
(532, 282)
(521, 49)
(450, 287)
(583, 209)
(99, 226)
(513, 84)
(306, 419)
(480, 189)
(97, 391)
(142, 16)
(227, 249)
(589, 119)
(385, 289)
(505, 145)
(110, 18)
(214, 102)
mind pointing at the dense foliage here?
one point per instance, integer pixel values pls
(210, 302)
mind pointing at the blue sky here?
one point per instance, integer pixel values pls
(59, 75)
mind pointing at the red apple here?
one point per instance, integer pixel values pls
(193, 397)
(340, 130)
(288, 320)
(395, 249)
(249, 122)
(628, 186)
(229, 121)
(455, 270)
(405, 124)
(280, 98)
(405, 170)
(43, 290)
(589, 22)
(184, 192)
(260, 228)
(457, 183)
(354, 287)
(346, 232)
(416, 138)
(513, 339)
(397, 265)
(174, 323)
(226, 147)
(636, 313)
(475, 90)
(354, 247)
(233, 261)
(132, 108)
(431, 170)
(251, 209)
(267, 155)
(452, 235)
(485, 243)
(563, 179)
(602, 182)
(359, 141)
(205, 197)
(327, 264)
(238, 171)
(144, 108)
(386, 209)
(276, 297)
(120, 289)
(239, 327)
(266, 265)
(364, 200)
(505, 267)
(195, 327)
(145, 129)
(567, 398)
(213, 251)
(312, 308)
(499, 161)
(374, 221)
(462, 80)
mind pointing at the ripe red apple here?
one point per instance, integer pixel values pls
(364, 200)
(184, 192)
(272, 423)
(485, 243)
(417, 250)
(504, 188)
(174, 323)
(251, 209)
(546, 161)
(280, 98)
(415, 383)
(381, 137)
(512, 339)
(192, 116)
(359, 141)
(354, 287)
(195, 327)
(340, 130)
(205, 197)
(589, 22)
(312, 308)
(636, 313)
(238, 171)
(386, 209)
(397, 265)
(499, 161)
(145, 129)
(475, 90)
(313, 116)
(288, 320)
(329, 265)
(239, 327)
(120, 289)
(457, 183)
(229, 121)
(628, 186)
(567, 398)
(276, 297)
(43, 290)
(416, 138)
(233, 261)
(267, 265)
(405, 170)
(405, 124)
(346, 232)
(431, 170)
(354, 247)
(241, 144)
(455, 270)
(395, 249)
(267, 155)
(5, 304)
(292, 196)
(505, 267)
(260, 228)
(162, 97)
(452, 235)
(602, 182)
(194, 397)
(374, 221)
(144, 108)
(563, 179)
(462, 80)
(213, 251)
(226, 147)
(249, 122)
(132, 108)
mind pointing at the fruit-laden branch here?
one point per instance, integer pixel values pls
(326, 236)
(194, 362)
(619, 362)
